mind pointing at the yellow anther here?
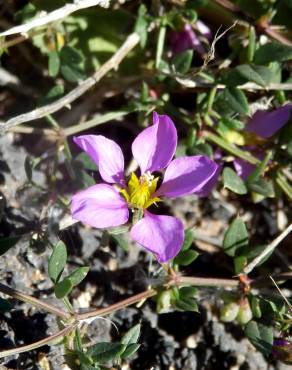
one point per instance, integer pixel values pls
(140, 190)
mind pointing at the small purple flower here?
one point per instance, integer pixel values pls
(243, 168)
(266, 123)
(107, 204)
(186, 39)
(282, 350)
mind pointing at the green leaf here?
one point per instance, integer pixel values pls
(187, 304)
(182, 61)
(236, 99)
(263, 187)
(184, 258)
(130, 350)
(70, 56)
(53, 94)
(86, 161)
(233, 182)
(132, 335)
(54, 63)
(71, 64)
(239, 263)
(104, 352)
(5, 305)
(260, 335)
(63, 288)
(235, 238)
(231, 123)
(28, 12)
(273, 52)
(57, 261)
(118, 238)
(78, 275)
(188, 240)
(187, 292)
(7, 243)
(141, 25)
(72, 73)
(256, 307)
(261, 75)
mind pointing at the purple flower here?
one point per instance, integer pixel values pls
(184, 40)
(107, 204)
(266, 123)
(281, 350)
(243, 168)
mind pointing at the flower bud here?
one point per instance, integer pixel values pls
(229, 312)
(164, 301)
(244, 313)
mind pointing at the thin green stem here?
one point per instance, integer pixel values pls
(160, 45)
(260, 168)
(40, 343)
(283, 184)
(231, 148)
(78, 340)
(211, 99)
(33, 301)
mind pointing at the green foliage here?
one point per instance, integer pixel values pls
(185, 258)
(132, 335)
(182, 61)
(54, 63)
(260, 335)
(78, 275)
(233, 182)
(57, 261)
(71, 64)
(186, 255)
(63, 288)
(235, 238)
(273, 52)
(141, 25)
(236, 99)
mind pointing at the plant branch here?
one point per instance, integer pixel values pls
(177, 280)
(267, 250)
(131, 41)
(116, 306)
(33, 301)
(45, 18)
(40, 343)
(263, 28)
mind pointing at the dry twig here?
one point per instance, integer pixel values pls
(45, 18)
(85, 85)
(267, 250)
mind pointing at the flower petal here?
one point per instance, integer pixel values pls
(243, 168)
(186, 175)
(106, 154)
(267, 123)
(161, 235)
(155, 146)
(186, 39)
(204, 29)
(100, 206)
(210, 185)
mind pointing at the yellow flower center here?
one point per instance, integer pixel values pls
(140, 190)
